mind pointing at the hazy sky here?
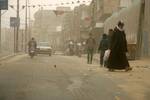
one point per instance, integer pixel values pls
(12, 12)
(44, 2)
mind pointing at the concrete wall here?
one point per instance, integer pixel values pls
(111, 6)
(8, 40)
(7, 45)
(146, 30)
(130, 16)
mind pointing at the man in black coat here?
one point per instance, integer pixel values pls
(90, 45)
(104, 43)
(118, 46)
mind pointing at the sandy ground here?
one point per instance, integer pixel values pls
(56, 78)
(72, 79)
(136, 82)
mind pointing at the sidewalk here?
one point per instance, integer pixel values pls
(4, 56)
(95, 58)
(142, 63)
(135, 82)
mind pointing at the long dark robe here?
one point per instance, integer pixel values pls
(118, 47)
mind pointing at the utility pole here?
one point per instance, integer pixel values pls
(0, 29)
(140, 30)
(93, 14)
(18, 24)
(29, 20)
(26, 26)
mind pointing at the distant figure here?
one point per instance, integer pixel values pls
(71, 48)
(90, 46)
(118, 47)
(32, 43)
(84, 47)
(104, 44)
(79, 49)
(107, 52)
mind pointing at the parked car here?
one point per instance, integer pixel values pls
(44, 48)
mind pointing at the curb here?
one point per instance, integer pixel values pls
(9, 56)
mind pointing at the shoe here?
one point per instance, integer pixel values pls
(128, 69)
(111, 70)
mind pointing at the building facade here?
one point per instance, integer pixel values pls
(100, 10)
(146, 29)
(136, 19)
(76, 23)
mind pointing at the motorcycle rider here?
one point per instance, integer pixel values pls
(32, 44)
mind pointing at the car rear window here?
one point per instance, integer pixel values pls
(43, 44)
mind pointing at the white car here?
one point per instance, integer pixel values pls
(44, 48)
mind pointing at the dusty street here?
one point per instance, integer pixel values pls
(58, 78)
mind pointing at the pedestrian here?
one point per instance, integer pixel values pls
(107, 52)
(79, 49)
(118, 47)
(90, 45)
(110, 33)
(71, 48)
(84, 47)
(103, 46)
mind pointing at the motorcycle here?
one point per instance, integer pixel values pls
(32, 52)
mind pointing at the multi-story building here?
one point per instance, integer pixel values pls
(76, 23)
(146, 29)
(45, 23)
(100, 10)
(67, 26)
(82, 21)
(45, 27)
(136, 18)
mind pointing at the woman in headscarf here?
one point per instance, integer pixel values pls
(118, 47)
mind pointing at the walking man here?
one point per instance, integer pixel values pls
(104, 44)
(90, 44)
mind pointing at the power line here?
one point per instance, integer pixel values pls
(54, 5)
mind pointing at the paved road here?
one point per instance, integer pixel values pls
(56, 78)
